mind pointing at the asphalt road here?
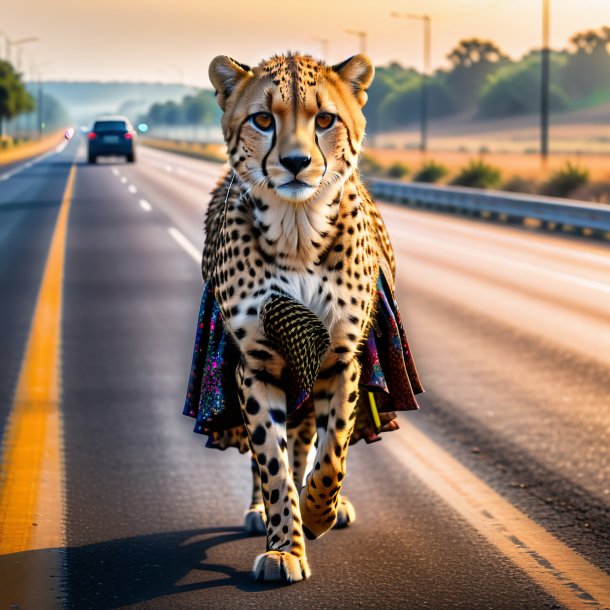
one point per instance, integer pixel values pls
(510, 333)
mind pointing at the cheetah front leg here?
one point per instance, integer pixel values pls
(300, 440)
(335, 400)
(264, 411)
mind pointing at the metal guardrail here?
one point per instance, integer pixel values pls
(550, 211)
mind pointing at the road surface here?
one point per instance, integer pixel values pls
(496, 494)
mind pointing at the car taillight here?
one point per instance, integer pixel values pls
(92, 135)
(128, 136)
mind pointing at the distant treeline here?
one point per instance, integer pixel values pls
(199, 108)
(85, 100)
(484, 81)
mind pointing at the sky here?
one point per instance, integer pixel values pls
(163, 41)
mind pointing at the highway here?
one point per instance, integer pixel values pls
(496, 494)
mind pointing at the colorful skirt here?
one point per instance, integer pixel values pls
(388, 381)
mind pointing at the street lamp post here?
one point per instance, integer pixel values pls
(544, 83)
(363, 39)
(11, 44)
(427, 23)
(40, 102)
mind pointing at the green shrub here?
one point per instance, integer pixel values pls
(398, 170)
(565, 180)
(478, 174)
(430, 171)
(518, 184)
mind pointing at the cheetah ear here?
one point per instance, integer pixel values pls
(225, 74)
(358, 71)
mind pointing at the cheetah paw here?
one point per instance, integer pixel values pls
(346, 513)
(255, 522)
(277, 566)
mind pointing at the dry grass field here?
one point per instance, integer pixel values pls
(512, 164)
(581, 136)
(29, 149)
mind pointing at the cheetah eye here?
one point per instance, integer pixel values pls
(325, 120)
(262, 120)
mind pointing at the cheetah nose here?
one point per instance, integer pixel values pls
(295, 163)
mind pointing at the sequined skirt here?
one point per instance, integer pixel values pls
(388, 382)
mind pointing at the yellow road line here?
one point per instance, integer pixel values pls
(31, 492)
(568, 577)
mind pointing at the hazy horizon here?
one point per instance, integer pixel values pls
(154, 42)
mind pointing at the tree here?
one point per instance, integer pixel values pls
(473, 60)
(515, 89)
(155, 114)
(472, 51)
(172, 113)
(591, 41)
(198, 109)
(588, 67)
(402, 106)
(14, 98)
(387, 80)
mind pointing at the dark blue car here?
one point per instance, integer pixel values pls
(112, 137)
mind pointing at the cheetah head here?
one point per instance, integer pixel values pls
(293, 125)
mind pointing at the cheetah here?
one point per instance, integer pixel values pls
(299, 340)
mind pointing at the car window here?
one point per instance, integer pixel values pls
(110, 126)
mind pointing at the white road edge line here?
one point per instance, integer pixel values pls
(479, 231)
(185, 244)
(567, 576)
(28, 164)
(145, 205)
(557, 275)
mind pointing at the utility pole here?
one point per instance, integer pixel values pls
(40, 102)
(363, 39)
(324, 43)
(34, 113)
(40, 115)
(423, 112)
(545, 82)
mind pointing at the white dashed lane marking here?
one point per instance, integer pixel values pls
(567, 576)
(132, 189)
(124, 180)
(145, 205)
